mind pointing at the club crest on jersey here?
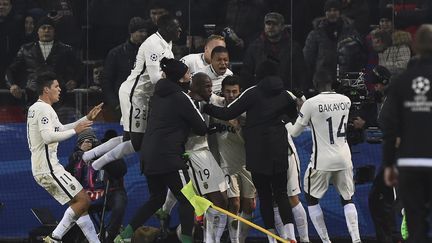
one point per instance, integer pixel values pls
(153, 57)
(44, 120)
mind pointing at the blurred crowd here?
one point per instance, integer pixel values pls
(91, 45)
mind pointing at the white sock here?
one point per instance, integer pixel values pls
(352, 222)
(279, 224)
(317, 217)
(170, 202)
(116, 153)
(87, 227)
(289, 229)
(271, 239)
(68, 220)
(102, 149)
(215, 225)
(233, 230)
(301, 222)
(244, 228)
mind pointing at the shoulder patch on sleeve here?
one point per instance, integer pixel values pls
(154, 57)
(44, 120)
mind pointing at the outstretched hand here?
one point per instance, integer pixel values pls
(94, 112)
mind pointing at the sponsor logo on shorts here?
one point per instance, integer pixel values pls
(205, 185)
(137, 124)
(72, 187)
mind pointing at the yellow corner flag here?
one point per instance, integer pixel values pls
(200, 204)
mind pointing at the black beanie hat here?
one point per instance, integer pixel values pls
(332, 4)
(173, 69)
(86, 134)
(45, 21)
(137, 23)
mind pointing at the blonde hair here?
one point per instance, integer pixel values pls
(213, 37)
(423, 40)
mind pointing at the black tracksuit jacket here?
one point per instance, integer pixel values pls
(172, 117)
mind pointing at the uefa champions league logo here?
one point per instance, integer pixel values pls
(421, 85)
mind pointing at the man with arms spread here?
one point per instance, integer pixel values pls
(44, 132)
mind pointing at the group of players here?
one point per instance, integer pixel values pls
(217, 171)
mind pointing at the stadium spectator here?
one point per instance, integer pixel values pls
(242, 24)
(29, 28)
(407, 156)
(322, 42)
(218, 68)
(358, 11)
(275, 44)
(120, 61)
(99, 184)
(46, 53)
(266, 143)
(44, 133)
(11, 36)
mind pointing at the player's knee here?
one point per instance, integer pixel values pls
(234, 204)
(311, 200)
(248, 205)
(294, 200)
(345, 202)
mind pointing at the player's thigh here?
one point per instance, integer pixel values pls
(206, 174)
(344, 183)
(233, 182)
(293, 185)
(133, 109)
(316, 182)
(60, 184)
(247, 188)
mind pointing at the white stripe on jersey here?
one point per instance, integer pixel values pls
(244, 92)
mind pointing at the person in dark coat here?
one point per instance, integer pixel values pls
(120, 61)
(266, 142)
(172, 116)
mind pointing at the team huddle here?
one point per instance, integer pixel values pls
(190, 121)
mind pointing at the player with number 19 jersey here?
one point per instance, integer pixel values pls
(327, 114)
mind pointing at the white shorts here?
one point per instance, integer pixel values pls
(61, 185)
(293, 183)
(240, 184)
(134, 113)
(205, 172)
(316, 182)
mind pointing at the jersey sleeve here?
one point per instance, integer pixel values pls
(302, 121)
(152, 57)
(47, 129)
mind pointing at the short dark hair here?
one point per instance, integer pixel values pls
(322, 78)
(165, 21)
(423, 40)
(218, 49)
(44, 79)
(231, 80)
(200, 77)
(160, 4)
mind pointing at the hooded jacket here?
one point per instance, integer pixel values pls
(172, 116)
(266, 141)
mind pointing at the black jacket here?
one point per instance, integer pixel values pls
(265, 136)
(262, 49)
(61, 60)
(406, 113)
(172, 116)
(118, 65)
